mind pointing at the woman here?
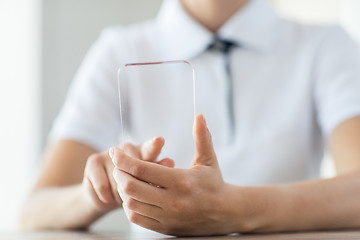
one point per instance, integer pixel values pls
(278, 93)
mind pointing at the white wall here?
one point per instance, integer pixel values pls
(19, 103)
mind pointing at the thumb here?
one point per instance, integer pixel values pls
(205, 154)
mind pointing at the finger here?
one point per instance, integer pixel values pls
(128, 186)
(143, 170)
(151, 149)
(205, 154)
(95, 198)
(143, 221)
(113, 184)
(168, 162)
(101, 186)
(131, 150)
(96, 173)
(144, 209)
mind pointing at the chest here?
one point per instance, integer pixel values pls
(271, 101)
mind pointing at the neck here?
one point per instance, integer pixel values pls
(212, 14)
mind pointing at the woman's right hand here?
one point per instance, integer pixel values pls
(98, 183)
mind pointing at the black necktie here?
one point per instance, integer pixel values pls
(225, 47)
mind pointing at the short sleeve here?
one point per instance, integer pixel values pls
(91, 111)
(337, 79)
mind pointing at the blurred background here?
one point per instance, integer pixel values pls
(42, 43)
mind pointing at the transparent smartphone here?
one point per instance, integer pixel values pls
(157, 99)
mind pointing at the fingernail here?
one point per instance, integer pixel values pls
(111, 152)
(204, 120)
(157, 139)
(207, 129)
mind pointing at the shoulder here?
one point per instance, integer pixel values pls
(134, 31)
(136, 42)
(316, 36)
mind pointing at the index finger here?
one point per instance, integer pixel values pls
(145, 171)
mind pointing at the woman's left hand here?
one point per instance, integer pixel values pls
(178, 201)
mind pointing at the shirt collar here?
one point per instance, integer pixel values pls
(252, 27)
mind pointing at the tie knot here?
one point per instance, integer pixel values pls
(221, 45)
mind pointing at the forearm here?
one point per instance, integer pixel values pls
(59, 208)
(314, 205)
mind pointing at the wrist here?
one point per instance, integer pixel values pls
(247, 209)
(94, 208)
(235, 212)
(263, 208)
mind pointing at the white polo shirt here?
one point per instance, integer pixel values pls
(292, 85)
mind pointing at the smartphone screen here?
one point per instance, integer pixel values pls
(157, 99)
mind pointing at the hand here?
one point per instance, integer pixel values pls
(148, 151)
(99, 184)
(179, 201)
